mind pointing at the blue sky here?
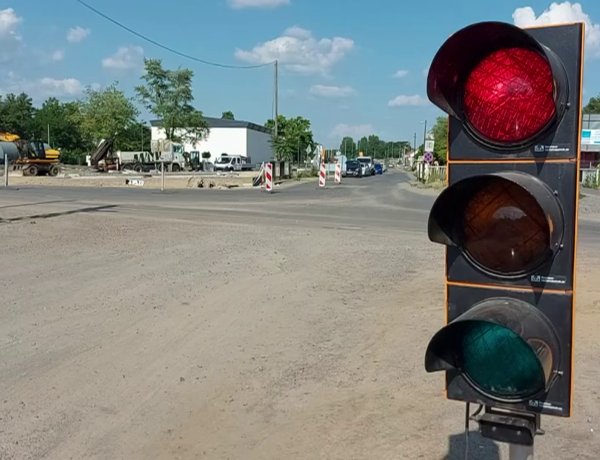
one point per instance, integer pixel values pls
(352, 68)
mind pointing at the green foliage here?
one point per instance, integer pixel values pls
(106, 113)
(228, 115)
(348, 147)
(16, 114)
(440, 137)
(593, 106)
(168, 95)
(61, 120)
(135, 137)
(294, 136)
(375, 147)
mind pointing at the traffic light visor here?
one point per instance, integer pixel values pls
(507, 224)
(505, 348)
(500, 82)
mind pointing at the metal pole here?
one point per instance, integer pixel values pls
(48, 133)
(162, 177)
(276, 97)
(6, 170)
(424, 136)
(415, 143)
(518, 452)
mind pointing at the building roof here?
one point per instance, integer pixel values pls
(224, 123)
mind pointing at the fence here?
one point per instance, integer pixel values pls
(428, 173)
(590, 177)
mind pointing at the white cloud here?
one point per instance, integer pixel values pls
(126, 58)
(403, 100)
(10, 40)
(42, 88)
(57, 56)
(77, 34)
(559, 13)
(299, 51)
(401, 74)
(239, 4)
(64, 87)
(332, 91)
(355, 131)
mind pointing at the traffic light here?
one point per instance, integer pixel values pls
(509, 214)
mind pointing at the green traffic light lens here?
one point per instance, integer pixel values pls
(500, 362)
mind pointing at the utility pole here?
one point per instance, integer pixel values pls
(142, 137)
(415, 143)
(276, 97)
(48, 133)
(424, 136)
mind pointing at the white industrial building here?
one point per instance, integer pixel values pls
(233, 137)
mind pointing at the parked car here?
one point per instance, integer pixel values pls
(378, 168)
(353, 168)
(369, 165)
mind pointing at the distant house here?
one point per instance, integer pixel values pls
(233, 137)
(590, 140)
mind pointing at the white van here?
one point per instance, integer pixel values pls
(230, 163)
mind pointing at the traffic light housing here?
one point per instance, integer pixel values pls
(508, 217)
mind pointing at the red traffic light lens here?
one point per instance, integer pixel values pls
(509, 96)
(505, 230)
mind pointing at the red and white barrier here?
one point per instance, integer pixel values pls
(337, 178)
(322, 175)
(269, 177)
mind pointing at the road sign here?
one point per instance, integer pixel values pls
(590, 136)
(429, 144)
(428, 157)
(508, 216)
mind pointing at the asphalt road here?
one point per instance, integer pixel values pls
(376, 201)
(385, 202)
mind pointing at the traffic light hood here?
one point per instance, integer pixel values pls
(513, 99)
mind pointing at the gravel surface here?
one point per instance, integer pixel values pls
(130, 334)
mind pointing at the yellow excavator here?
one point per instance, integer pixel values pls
(33, 158)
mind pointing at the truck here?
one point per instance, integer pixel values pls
(227, 162)
(169, 153)
(162, 152)
(33, 158)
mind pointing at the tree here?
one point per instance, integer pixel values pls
(294, 137)
(348, 147)
(62, 122)
(440, 138)
(16, 114)
(593, 106)
(168, 95)
(228, 115)
(136, 137)
(106, 113)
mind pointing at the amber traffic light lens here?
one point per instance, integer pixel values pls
(505, 230)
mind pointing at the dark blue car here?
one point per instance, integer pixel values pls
(378, 168)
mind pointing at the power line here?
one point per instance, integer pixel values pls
(167, 48)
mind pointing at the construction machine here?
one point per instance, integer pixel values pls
(33, 158)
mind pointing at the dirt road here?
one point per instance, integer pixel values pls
(126, 335)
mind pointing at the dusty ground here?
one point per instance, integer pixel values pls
(127, 335)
